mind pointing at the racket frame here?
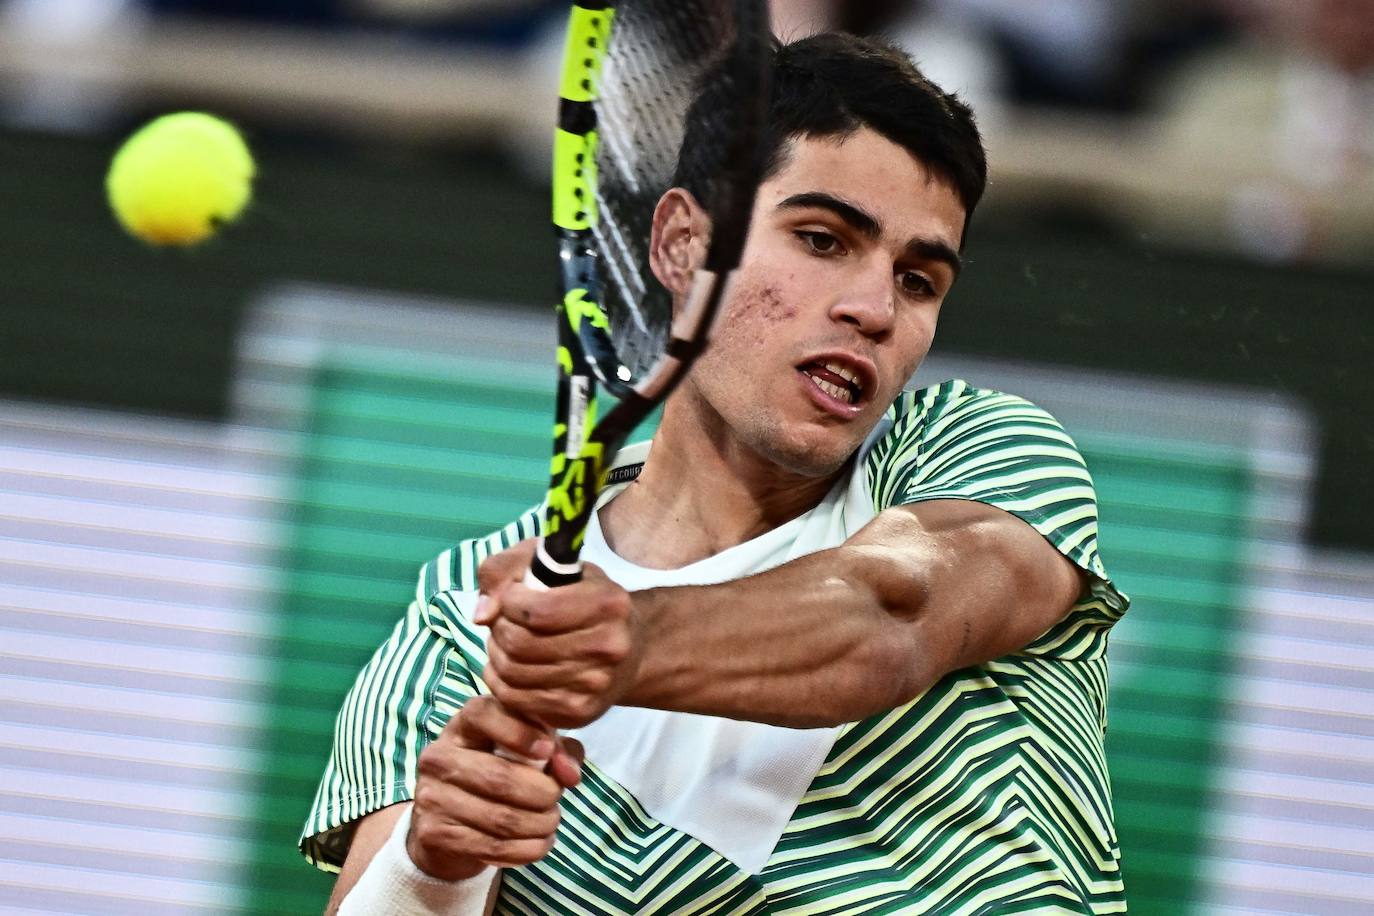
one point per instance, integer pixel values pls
(583, 447)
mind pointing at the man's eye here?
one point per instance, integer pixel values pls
(917, 284)
(820, 242)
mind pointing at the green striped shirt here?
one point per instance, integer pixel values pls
(987, 793)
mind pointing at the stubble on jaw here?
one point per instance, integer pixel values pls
(759, 430)
(756, 311)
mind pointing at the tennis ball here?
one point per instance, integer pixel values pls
(179, 178)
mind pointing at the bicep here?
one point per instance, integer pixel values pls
(978, 582)
(369, 837)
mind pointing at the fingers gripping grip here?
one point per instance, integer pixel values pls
(544, 573)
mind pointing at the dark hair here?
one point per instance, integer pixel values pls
(833, 84)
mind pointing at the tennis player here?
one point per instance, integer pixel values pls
(839, 647)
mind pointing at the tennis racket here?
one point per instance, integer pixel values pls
(630, 72)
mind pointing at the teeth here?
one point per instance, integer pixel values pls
(843, 373)
(835, 391)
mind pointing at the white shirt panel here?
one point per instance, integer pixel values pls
(731, 784)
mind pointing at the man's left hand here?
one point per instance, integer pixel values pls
(558, 657)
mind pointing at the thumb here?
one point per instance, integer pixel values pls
(566, 764)
(496, 573)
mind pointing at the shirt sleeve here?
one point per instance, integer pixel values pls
(962, 442)
(399, 702)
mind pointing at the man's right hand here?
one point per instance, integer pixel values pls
(474, 808)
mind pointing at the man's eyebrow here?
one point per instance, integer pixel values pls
(934, 250)
(868, 226)
(865, 224)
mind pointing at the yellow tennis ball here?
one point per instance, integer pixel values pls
(179, 178)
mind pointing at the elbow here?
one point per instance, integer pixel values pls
(878, 663)
(898, 665)
(895, 582)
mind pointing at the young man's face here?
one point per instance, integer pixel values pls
(852, 249)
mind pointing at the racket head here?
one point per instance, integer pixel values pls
(632, 71)
(628, 105)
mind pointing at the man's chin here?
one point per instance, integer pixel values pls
(811, 458)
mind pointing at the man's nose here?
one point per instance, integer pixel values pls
(868, 302)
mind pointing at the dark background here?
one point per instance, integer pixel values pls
(89, 315)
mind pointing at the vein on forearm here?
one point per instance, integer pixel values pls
(818, 641)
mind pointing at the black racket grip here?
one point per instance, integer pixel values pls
(546, 572)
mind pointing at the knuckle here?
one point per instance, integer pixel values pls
(429, 835)
(517, 852)
(516, 642)
(548, 821)
(505, 669)
(585, 708)
(485, 846)
(595, 646)
(598, 681)
(617, 604)
(424, 795)
(431, 763)
(619, 645)
(479, 708)
(506, 824)
(499, 691)
(546, 793)
(516, 701)
(495, 781)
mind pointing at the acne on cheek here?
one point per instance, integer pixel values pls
(762, 302)
(773, 307)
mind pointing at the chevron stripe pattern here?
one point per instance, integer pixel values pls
(987, 794)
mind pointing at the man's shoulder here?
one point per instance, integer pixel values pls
(920, 412)
(945, 419)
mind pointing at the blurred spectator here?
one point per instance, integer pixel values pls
(65, 101)
(1088, 54)
(510, 22)
(1055, 51)
(437, 10)
(1291, 111)
(306, 11)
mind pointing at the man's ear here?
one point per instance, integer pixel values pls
(677, 245)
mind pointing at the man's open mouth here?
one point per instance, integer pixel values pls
(835, 379)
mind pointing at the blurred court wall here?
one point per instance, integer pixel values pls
(220, 468)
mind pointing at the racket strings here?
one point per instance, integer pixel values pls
(658, 49)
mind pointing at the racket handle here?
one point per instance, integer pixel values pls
(544, 573)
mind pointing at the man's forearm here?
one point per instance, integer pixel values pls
(819, 641)
(832, 637)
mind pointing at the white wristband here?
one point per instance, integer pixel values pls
(392, 885)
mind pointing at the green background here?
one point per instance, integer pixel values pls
(396, 463)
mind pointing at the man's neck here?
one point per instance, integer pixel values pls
(700, 494)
